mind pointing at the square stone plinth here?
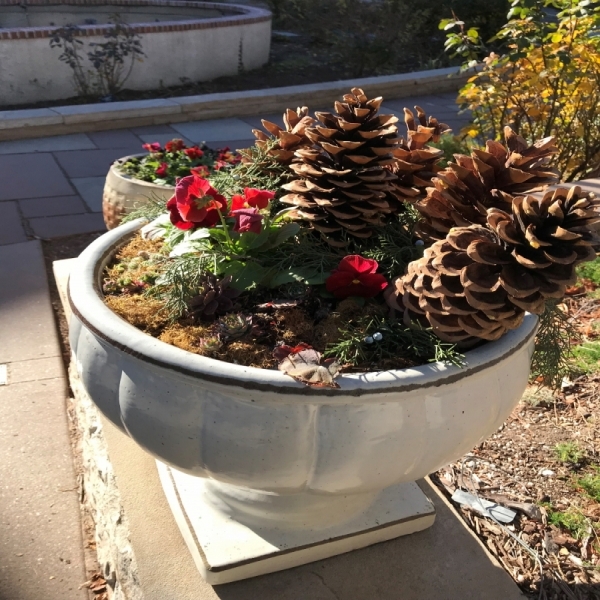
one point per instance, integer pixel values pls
(225, 550)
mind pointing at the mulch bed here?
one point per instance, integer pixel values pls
(520, 467)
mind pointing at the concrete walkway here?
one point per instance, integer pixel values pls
(52, 187)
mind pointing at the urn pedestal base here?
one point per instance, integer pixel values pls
(226, 550)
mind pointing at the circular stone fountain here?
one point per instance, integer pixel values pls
(182, 41)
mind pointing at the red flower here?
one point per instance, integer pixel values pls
(258, 198)
(252, 198)
(162, 170)
(176, 217)
(355, 276)
(153, 147)
(197, 202)
(174, 145)
(194, 152)
(247, 219)
(201, 170)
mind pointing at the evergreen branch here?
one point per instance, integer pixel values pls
(556, 336)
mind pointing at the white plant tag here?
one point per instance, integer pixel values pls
(484, 507)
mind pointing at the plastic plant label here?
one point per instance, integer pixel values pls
(484, 507)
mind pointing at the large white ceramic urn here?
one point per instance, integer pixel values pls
(271, 455)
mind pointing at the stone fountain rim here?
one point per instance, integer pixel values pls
(85, 299)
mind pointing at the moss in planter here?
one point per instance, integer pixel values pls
(135, 267)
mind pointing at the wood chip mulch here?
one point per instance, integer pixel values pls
(519, 467)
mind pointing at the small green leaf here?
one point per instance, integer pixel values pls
(282, 234)
(246, 275)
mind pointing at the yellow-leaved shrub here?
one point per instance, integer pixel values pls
(544, 80)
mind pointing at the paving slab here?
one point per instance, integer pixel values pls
(152, 130)
(74, 141)
(35, 175)
(27, 327)
(92, 163)
(231, 144)
(119, 138)
(40, 533)
(163, 138)
(53, 227)
(37, 369)
(256, 122)
(49, 207)
(217, 129)
(90, 189)
(11, 227)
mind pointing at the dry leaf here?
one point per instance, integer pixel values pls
(305, 366)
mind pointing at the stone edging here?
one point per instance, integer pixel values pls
(239, 15)
(28, 123)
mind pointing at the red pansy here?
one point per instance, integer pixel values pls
(176, 217)
(247, 219)
(197, 202)
(162, 170)
(174, 145)
(194, 152)
(356, 276)
(258, 198)
(252, 198)
(200, 170)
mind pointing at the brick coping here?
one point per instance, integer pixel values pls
(238, 15)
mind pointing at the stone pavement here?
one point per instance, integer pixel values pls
(52, 187)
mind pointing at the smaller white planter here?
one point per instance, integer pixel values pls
(122, 193)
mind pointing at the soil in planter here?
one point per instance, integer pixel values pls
(273, 323)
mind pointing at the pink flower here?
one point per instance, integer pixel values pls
(247, 219)
(197, 202)
(153, 147)
(162, 170)
(356, 276)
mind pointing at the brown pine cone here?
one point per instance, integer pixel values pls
(344, 186)
(467, 287)
(416, 163)
(288, 140)
(463, 192)
(550, 236)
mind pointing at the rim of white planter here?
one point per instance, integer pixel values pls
(86, 302)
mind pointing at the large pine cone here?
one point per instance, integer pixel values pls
(552, 235)
(284, 142)
(416, 163)
(467, 188)
(467, 287)
(345, 185)
(215, 297)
